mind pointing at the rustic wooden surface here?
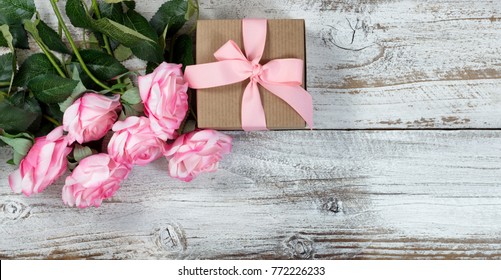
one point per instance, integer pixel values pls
(402, 185)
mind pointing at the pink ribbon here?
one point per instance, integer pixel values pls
(282, 77)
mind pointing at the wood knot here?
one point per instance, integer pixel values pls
(300, 247)
(15, 210)
(355, 34)
(333, 205)
(171, 238)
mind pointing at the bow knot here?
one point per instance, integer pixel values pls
(257, 70)
(282, 77)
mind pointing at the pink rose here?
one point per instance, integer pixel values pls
(90, 117)
(97, 177)
(134, 142)
(165, 100)
(196, 152)
(45, 162)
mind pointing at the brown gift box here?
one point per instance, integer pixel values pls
(220, 107)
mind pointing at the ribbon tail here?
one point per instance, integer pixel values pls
(297, 97)
(254, 35)
(253, 117)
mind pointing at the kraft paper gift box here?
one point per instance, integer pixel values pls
(220, 107)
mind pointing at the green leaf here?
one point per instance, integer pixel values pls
(132, 96)
(53, 111)
(5, 67)
(146, 50)
(14, 11)
(79, 17)
(121, 33)
(4, 29)
(77, 13)
(111, 11)
(51, 88)
(21, 144)
(189, 126)
(77, 92)
(114, 12)
(45, 128)
(102, 65)
(122, 53)
(51, 38)
(150, 66)
(93, 42)
(171, 15)
(87, 82)
(192, 9)
(115, 1)
(131, 5)
(119, 86)
(34, 66)
(17, 157)
(18, 117)
(18, 135)
(81, 152)
(183, 50)
(28, 102)
(48, 36)
(20, 38)
(133, 110)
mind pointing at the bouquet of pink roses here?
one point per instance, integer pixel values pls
(70, 98)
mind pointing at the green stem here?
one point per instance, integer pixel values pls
(106, 40)
(4, 84)
(52, 120)
(107, 46)
(63, 59)
(84, 41)
(50, 56)
(74, 47)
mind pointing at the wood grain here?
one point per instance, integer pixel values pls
(281, 195)
(326, 194)
(387, 64)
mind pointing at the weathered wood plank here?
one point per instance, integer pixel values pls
(320, 194)
(388, 64)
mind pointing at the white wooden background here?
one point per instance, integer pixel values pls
(405, 161)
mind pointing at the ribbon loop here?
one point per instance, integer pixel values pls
(282, 77)
(284, 71)
(217, 74)
(229, 51)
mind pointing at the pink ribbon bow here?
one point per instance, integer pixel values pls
(282, 77)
